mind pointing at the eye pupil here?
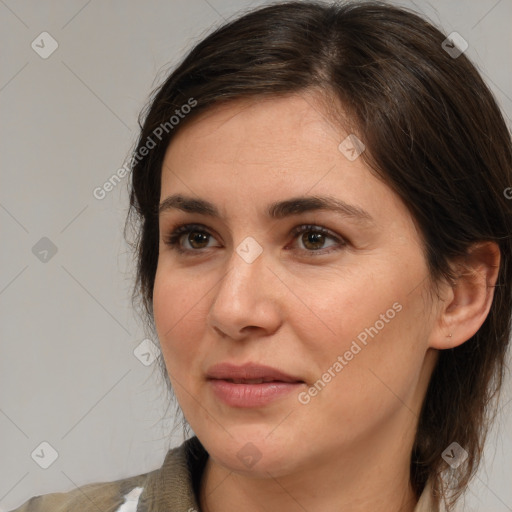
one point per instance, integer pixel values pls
(197, 237)
(317, 239)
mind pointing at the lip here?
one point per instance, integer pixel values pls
(227, 383)
(249, 371)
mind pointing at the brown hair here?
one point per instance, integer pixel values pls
(433, 132)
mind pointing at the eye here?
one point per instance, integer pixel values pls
(197, 236)
(313, 239)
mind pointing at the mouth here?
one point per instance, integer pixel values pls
(250, 385)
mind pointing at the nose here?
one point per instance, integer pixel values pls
(248, 299)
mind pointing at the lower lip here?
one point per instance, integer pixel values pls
(251, 395)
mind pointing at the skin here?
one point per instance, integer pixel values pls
(349, 447)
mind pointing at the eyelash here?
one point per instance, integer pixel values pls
(173, 239)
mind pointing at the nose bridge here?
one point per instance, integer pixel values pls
(245, 295)
(247, 265)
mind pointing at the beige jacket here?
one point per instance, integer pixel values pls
(171, 488)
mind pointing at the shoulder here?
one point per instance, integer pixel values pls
(170, 487)
(104, 496)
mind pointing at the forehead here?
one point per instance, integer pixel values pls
(279, 122)
(286, 136)
(262, 151)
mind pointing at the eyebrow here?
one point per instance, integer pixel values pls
(276, 210)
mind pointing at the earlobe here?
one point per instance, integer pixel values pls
(468, 301)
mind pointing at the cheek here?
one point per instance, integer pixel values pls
(179, 320)
(379, 368)
(370, 331)
(360, 305)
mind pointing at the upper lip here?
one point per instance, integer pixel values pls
(249, 371)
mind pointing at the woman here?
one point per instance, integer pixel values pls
(324, 251)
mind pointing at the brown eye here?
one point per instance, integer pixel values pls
(198, 237)
(313, 239)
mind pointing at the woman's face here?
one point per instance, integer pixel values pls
(345, 314)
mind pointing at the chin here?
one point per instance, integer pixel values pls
(250, 450)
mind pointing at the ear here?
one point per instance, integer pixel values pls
(466, 303)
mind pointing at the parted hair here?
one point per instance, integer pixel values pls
(433, 132)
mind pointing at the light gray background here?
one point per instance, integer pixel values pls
(68, 374)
